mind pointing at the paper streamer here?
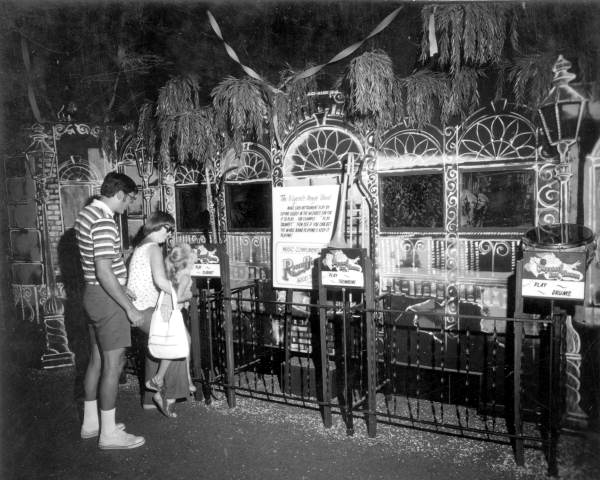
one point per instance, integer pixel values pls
(310, 71)
(351, 49)
(433, 46)
(231, 52)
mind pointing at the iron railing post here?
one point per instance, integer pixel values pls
(227, 313)
(371, 351)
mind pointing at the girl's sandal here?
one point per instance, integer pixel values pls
(153, 385)
(165, 407)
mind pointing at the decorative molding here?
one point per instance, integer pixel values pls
(61, 129)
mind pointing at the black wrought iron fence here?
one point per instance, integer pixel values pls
(392, 360)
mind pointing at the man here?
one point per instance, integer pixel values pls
(109, 309)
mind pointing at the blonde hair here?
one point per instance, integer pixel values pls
(179, 262)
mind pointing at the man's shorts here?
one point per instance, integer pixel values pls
(110, 322)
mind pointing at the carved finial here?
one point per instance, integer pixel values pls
(562, 75)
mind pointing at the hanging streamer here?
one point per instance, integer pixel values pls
(433, 46)
(310, 71)
(231, 52)
(351, 49)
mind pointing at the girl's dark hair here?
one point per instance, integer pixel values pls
(156, 221)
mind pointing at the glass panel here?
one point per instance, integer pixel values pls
(72, 199)
(27, 274)
(23, 215)
(15, 167)
(135, 208)
(412, 201)
(192, 214)
(133, 231)
(497, 199)
(249, 206)
(26, 246)
(20, 189)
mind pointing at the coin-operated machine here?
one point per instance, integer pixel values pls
(553, 270)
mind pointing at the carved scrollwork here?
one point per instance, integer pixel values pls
(548, 195)
(61, 129)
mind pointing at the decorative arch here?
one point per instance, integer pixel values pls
(499, 132)
(254, 163)
(404, 141)
(79, 173)
(319, 147)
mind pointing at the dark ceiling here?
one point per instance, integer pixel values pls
(110, 56)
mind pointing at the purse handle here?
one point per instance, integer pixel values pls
(173, 297)
(161, 295)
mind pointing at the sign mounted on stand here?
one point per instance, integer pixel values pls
(555, 259)
(303, 219)
(559, 275)
(208, 262)
(342, 267)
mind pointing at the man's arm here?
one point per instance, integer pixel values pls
(111, 285)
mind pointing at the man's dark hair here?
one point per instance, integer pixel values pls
(117, 182)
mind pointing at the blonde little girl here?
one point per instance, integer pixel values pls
(178, 267)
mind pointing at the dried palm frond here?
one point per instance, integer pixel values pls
(179, 94)
(531, 77)
(139, 63)
(184, 124)
(241, 106)
(292, 98)
(147, 128)
(463, 97)
(424, 92)
(471, 34)
(372, 88)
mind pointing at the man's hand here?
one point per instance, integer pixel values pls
(135, 316)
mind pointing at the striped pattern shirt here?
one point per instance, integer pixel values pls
(98, 237)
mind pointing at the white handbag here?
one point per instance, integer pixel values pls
(168, 338)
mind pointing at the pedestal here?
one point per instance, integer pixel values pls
(57, 353)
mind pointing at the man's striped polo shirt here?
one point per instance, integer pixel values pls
(98, 237)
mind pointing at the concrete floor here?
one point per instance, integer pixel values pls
(255, 440)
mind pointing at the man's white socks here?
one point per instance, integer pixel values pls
(90, 415)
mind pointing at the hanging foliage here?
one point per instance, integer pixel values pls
(241, 106)
(531, 77)
(425, 92)
(373, 89)
(184, 125)
(148, 128)
(469, 34)
(463, 98)
(292, 98)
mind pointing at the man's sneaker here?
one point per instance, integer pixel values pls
(120, 440)
(94, 433)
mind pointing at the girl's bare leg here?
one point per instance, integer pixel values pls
(192, 387)
(158, 379)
